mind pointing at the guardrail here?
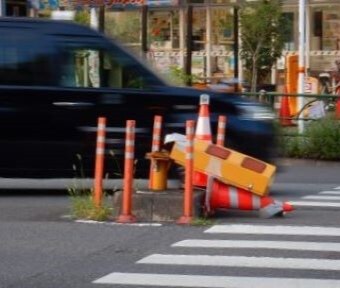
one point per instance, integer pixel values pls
(269, 98)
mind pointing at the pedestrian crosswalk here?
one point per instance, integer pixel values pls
(296, 256)
(329, 198)
(209, 253)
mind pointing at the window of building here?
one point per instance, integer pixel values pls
(163, 29)
(125, 26)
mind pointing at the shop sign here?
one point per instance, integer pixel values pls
(106, 3)
(162, 2)
(121, 3)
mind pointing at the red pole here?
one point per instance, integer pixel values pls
(221, 127)
(99, 164)
(156, 143)
(126, 215)
(189, 170)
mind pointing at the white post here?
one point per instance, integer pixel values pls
(301, 69)
(2, 9)
(208, 41)
(94, 22)
(182, 35)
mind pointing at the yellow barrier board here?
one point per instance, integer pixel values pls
(228, 166)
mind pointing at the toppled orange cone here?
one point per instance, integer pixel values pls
(229, 197)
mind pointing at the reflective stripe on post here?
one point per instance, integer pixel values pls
(126, 215)
(221, 127)
(99, 163)
(189, 170)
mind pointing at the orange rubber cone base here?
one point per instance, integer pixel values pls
(126, 219)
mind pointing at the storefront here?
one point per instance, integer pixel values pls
(159, 29)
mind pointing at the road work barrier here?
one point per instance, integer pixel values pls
(99, 162)
(126, 215)
(228, 166)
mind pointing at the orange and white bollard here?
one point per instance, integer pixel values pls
(99, 163)
(126, 215)
(156, 145)
(189, 170)
(221, 128)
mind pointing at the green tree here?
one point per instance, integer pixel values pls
(262, 32)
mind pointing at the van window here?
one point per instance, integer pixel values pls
(95, 68)
(24, 59)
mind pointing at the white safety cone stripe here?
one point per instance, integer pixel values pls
(275, 230)
(242, 261)
(282, 245)
(176, 280)
(315, 204)
(322, 197)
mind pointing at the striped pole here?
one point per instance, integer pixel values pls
(221, 127)
(126, 215)
(99, 163)
(189, 170)
(156, 144)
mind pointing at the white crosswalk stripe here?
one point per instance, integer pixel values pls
(169, 280)
(242, 261)
(330, 192)
(275, 230)
(326, 199)
(260, 244)
(278, 263)
(314, 204)
(322, 197)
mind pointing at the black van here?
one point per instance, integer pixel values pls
(57, 78)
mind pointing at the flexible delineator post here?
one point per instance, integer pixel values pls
(99, 163)
(189, 170)
(156, 144)
(126, 215)
(221, 128)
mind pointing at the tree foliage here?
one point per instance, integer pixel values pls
(262, 32)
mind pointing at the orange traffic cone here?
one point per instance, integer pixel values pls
(337, 109)
(203, 132)
(285, 111)
(230, 197)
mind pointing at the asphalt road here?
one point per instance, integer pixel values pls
(41, 247)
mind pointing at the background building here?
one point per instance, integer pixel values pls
(160, 29)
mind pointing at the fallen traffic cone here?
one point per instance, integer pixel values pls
(230, 197)
(285, 111)
(203, 132)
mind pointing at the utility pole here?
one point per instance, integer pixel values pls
(301, 69)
